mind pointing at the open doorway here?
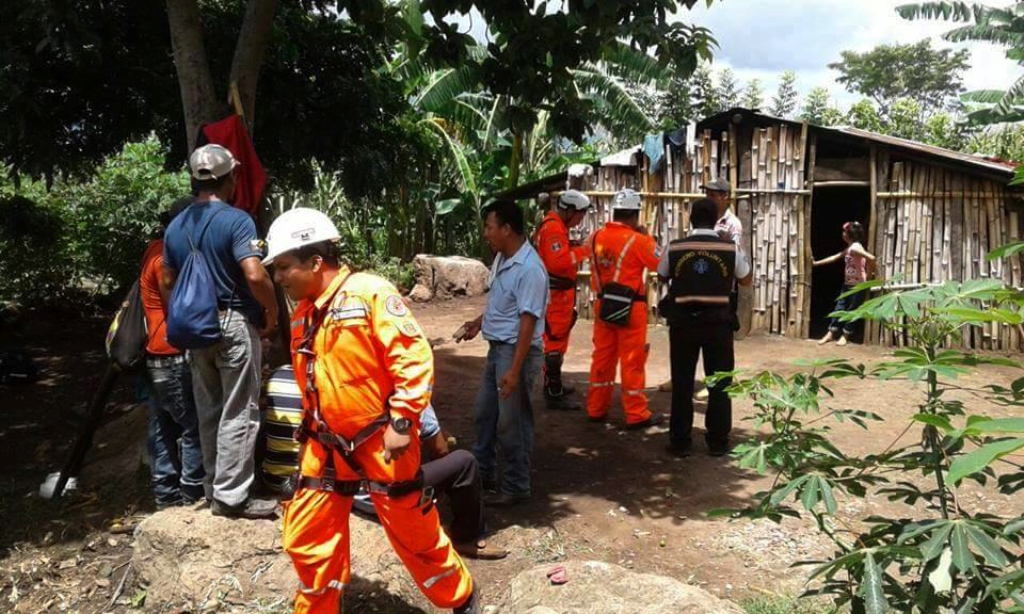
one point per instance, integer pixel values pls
(831, 207)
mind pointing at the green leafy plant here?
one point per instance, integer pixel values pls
(943, 554)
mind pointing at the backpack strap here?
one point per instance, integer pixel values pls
(202, 232)
(593, 261)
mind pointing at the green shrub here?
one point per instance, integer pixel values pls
(34, 258)
(115, 212)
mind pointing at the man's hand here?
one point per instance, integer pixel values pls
(472, 328)
(437, 445)
(508, 384)
(395, 444)
(270, 325)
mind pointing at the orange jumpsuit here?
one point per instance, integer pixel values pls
(621, 254)
(562, 261)
(370, 354)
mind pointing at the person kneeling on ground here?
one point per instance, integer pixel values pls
(365, 370)
(453, 475)
(700, 270)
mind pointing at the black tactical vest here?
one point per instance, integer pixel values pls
(702, 271)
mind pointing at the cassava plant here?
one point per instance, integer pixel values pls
(941, 553)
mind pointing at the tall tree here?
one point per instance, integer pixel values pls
(784, 102)
(728, 88)
(706, 100)
(676, 105)
(818, 108)
(753, 95)
(931, 77)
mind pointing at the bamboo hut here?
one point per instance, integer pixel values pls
(931, 214)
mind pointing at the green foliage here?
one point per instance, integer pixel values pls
(888, 73)
(944, 552)
(33, 252)
(864, 115)
(115, 213)
(784, 605)
(753, 95)
(57, 241)
(728, 89)
(784, 102)
(819, 110)
(990, 24)
(705, 96)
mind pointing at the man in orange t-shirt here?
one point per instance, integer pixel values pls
(177, 477)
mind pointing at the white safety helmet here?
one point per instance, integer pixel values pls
(296, 228)
(573, 200)
(626, 200)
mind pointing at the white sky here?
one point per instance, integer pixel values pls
(762, 38)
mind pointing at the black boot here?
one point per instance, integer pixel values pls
(556, 396)
(472, 605)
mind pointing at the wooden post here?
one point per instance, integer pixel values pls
(807, 257)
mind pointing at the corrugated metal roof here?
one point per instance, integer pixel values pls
(991, 164)
(626, 157)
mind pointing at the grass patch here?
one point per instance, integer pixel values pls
(776, 604)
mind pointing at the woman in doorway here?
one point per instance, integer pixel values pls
(858, 263)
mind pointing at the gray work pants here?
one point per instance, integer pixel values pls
(226, 383)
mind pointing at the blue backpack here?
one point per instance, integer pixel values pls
(193, 317)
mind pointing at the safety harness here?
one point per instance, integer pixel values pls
(314, 427)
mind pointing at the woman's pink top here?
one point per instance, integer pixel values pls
(856, 266)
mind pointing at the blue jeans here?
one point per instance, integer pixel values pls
(506, 422)
(177, 477)
(849, 303)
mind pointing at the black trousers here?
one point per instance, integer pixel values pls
(458, 478)
(686, 344)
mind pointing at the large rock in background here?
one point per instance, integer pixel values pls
(602, 588)
(447, 277)
(193, 560)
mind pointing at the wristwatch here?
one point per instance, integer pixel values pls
(401, 425)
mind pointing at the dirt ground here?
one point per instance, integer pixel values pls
(599, 492)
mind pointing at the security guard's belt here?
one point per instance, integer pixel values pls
(560, 283)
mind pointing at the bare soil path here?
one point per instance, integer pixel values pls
(599, 492)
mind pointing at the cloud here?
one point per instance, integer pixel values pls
(762, 38)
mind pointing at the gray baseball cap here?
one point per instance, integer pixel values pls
(211, 162)
(718, 185)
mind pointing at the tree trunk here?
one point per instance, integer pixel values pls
(252, 44)
(198, 96)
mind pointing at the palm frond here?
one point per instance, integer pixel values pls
(1012, 95)
(457, 157)
(982, 32)
(445, 86)
(620, 109)
(634, 65)
(946, 11)
(983, 96)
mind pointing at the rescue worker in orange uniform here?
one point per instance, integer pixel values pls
(562, 260)
(622, 252)
(365, 370)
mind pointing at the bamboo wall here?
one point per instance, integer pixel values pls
(928, 224)
(933, 225)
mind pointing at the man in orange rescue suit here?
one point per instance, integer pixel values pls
(365, 371)
(622, 252)
(562, 260)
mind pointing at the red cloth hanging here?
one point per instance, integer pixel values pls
(231, 133)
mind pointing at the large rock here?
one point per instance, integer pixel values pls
(602, 588)
(190, 558)
(446, 277)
